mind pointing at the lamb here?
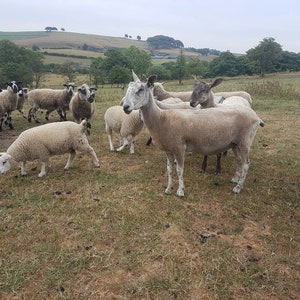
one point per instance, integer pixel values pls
(8, 102)
(50, 99)
(126, 125)
(43, 141)
(82, 104)
(207, 131)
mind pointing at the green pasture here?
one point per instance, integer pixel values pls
(112, 233)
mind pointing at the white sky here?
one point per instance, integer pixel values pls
(234, 25)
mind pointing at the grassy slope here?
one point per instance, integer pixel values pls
(111, 233)
(74, 41)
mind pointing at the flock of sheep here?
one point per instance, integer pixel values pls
(178, 122)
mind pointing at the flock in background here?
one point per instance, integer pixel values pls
(198, 121)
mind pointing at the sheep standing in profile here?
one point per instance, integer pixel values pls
(125, 125)
(209, 131)
(9, 102)
(82, 104)
(50, 100)
(43, 141)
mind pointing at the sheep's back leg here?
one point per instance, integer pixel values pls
(109, 136)
(23, 168)
(72, 155)
(204, 164)
(124, 144)
(218, 166)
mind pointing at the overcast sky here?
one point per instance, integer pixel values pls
(234, 25)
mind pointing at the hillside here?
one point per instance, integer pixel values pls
(71, 43)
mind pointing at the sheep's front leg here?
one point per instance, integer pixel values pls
(43, 169)
(132, 145)
(23, 168)
(170, 161)
(70, 159)
(180, 168)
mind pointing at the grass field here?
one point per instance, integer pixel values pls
(112, 233)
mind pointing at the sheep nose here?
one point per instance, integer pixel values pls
(126, 108)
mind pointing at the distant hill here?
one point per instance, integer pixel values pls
(89, 45)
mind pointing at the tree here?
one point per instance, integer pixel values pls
(97, 71)
(138, 37)
(137, 60)
(119, 74)
(68, 69)
(49, 28)
(267, 54)
(180, 66)
(227, 64)
(197, 67)
(164, 42)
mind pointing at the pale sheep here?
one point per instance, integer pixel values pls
(82, 104)
(43, 141)
(207, 131)
(50, 100)
(116, 120)
(160, 93)
(9, 101)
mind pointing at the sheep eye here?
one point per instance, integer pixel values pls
(140, 90)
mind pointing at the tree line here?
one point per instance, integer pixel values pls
(18, 63)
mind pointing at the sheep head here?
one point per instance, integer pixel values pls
(202, 92)
(5, 162)
(137, 94)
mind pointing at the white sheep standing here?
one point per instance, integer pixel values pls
(43, 141)
(209, 131)
(50, 100)
(82, 104)
(125, 125)
(9, 101)
(160, 93)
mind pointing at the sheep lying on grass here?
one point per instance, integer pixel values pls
(126, 125)
(43, 141)
(50, 100)
(82, 104)
(209, 131)
(9, 101)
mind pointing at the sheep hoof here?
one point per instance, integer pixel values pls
(180, 193)
(168, 191)
(236, 189)
(41, 174)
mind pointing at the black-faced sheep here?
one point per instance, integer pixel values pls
(50, 100)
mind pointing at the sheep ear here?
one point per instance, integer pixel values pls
(135, 78)
(151, 80)
(216, 82)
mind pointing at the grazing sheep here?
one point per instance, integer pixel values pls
(126, 125)
(43, 141)
(209, 131)
(8, 102)
(82, 104)
(226, 95)
(50, 100)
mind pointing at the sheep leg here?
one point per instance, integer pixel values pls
(70, 159)
(132, 145)
(92, 153)
(242, 178)
(180, 168)
(204, 164)
(218, 166)
(149, 141)
(170, 161)
(124, 144)
(23, 168)
(242, 168)
(43, 169)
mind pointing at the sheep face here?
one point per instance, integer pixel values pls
(87, 93)
(70, 88)
(5, 164)
(137, 93)
(14, 86)
(202, 92)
